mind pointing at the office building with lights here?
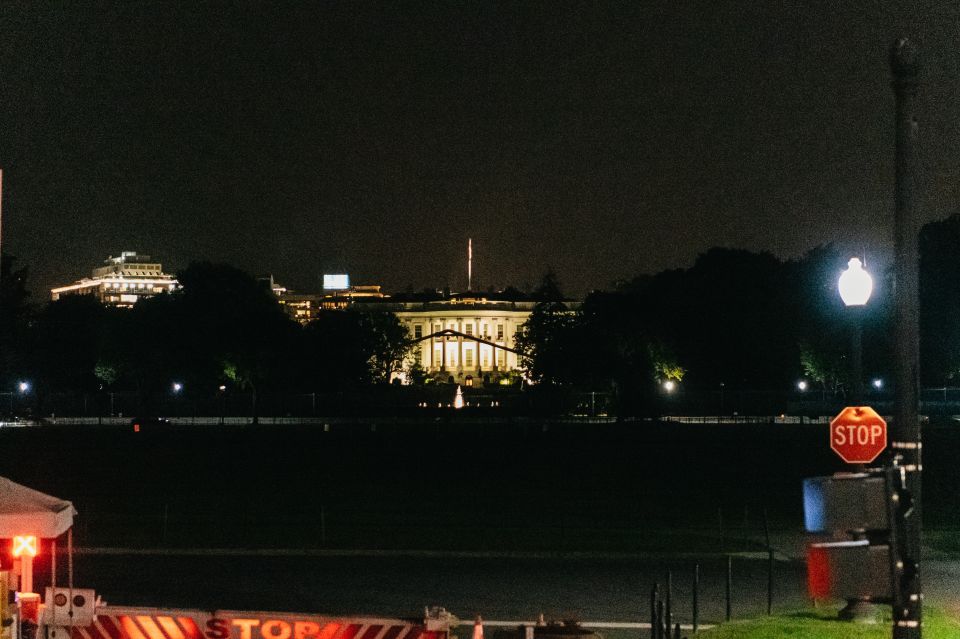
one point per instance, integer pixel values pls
(122, 281)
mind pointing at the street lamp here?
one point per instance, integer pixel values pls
(669, 386)
(855, 287)
(223, 402)
(802, 385)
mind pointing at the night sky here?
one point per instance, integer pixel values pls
(603, 140)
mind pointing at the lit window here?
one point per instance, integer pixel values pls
(469, 329)
(468, 358)
(500, 332)
(500, 358)
(417, 331)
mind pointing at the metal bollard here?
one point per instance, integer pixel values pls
(729, 585)
(696, 597)
(654, 596)
(668, 614)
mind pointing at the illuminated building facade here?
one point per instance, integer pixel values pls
(340, 300)
(463, 337)
(122, 281)
(300, 306)
(304, 307)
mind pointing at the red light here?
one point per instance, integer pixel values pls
(818, 573)
(136, 428)
(25, 545)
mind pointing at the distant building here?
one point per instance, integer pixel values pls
(468, 337)
(341, 299)
(302, 307)
(122, 281)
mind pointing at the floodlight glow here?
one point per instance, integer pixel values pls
(222, 388)
(802, 385)
(855, 284)
(23, 387)
(25, 546)
(669, 386)
(177, 387)
(336, 282)
(878, 383)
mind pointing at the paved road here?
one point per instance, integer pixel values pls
(611, 589)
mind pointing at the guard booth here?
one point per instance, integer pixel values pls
(27, 518)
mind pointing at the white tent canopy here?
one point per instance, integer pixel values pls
(25, 511)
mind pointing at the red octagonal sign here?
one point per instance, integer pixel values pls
(858, 434)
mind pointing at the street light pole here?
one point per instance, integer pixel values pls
(855, 287)
(906, 440)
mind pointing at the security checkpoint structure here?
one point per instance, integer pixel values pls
(28, 517)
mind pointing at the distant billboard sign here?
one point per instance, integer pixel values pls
(336, 282)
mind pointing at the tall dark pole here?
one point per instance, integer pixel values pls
(905, 65)
(856, 349)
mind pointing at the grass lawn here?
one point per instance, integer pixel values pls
(823, 624)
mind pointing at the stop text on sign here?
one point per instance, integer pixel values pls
(858, 434)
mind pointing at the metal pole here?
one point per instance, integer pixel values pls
(654, 596)
(905, 65)
(668, 612)
(856, 350)
(660, 629)
(766, 534)
(696, 598)
(729, 586)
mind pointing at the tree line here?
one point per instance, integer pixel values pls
(741, 320)
(221, 328)
(735, 319)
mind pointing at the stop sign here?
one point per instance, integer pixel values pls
(858, 434)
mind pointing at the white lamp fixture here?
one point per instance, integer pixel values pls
(855, 284)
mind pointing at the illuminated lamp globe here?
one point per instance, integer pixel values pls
(855, 284)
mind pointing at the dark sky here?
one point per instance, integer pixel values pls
(602, 139)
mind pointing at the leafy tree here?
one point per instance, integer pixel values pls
(386, 341)
(544, 344)
(826, 368)
(332, 345)
(106, 373)
(549, 289)
(66, 344)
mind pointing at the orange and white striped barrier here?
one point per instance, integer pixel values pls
(113, 622)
